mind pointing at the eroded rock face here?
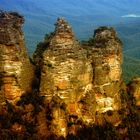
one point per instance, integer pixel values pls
(86, 81)
(66, 72)
(80, 86)
(16, 72)
(134, 89)
(107, 71)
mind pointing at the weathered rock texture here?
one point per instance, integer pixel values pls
(107, 73)
(106, 56)
(16, 72)
(65, 66)
(75, 86)
(66, 73)
(86, 81)
(134, 90)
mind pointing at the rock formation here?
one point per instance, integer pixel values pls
(16, 72)
(75, 88)
(107, 71)
(66, 72)
(134, 90)
(86, 81)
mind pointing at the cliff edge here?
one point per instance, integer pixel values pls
(16, 71)
(69, 89)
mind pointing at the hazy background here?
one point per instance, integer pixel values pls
(84, 16)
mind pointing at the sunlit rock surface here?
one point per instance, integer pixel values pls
(66, 71)
(107, 71)
(65, 66)
(16, 72)
(87, 81)
(75, 86)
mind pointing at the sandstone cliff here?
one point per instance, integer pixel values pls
(86, 81)
(77, 91)
(107, 71)
(16, 71)
(66, 73)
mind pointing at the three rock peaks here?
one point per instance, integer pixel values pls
(69, 82)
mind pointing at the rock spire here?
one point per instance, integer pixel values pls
(16, 72)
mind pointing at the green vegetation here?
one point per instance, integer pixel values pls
(131, 68)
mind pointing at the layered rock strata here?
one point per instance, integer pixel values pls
(66, 72)
(107, 77)
(16, 72)
(80, 86)
(107, 72)
(87, 82)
